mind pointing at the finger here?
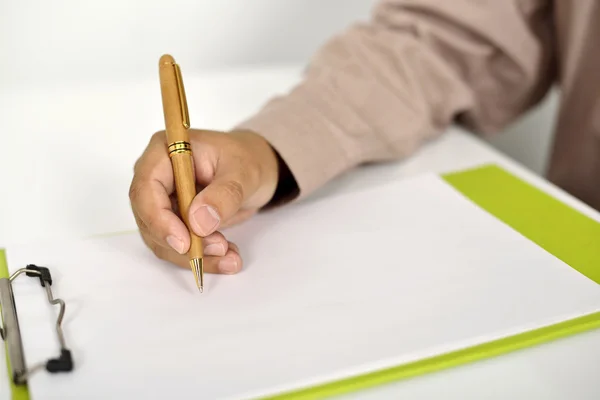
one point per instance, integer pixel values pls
(234, 247)
(149, 196)
(218, 202)
(215, 244)
(154, 162)
(151, 206)
(229, 263)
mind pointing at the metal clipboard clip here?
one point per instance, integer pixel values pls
(11, 334)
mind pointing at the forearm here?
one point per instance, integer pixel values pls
(380, 90)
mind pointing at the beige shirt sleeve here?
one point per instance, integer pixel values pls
(380, 89)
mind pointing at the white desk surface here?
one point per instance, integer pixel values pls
(67, 163)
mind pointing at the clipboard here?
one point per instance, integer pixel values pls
(536, 215)
(10, 332)
(543, 219)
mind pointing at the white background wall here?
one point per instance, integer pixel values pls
(51, 42)
(108, 39)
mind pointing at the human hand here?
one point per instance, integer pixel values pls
(236, 175)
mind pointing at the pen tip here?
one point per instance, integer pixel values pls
(197, 266)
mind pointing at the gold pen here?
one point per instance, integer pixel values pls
(177, 123)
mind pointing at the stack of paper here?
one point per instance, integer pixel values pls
(331, 289)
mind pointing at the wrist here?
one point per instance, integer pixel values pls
(278, 184)
(265, 159)
(287, 187)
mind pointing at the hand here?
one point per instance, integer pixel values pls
(236, 174)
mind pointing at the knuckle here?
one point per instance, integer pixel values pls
(153, 225)
(217, 237)
(236, 150)
(234, 247)
(234, 190)
(136, 165)
(246, 166)
(252, 173)
(138, 221)
(134, 191)
(153, 246)
(158, 136)
(157, 250)
(139, 162)
(235, 144)
(155, 139)
(246, 162)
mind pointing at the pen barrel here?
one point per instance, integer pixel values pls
(186, 191)
(174, 102)
(180, 150)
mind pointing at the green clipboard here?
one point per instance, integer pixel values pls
(18, 392)
(541, 218)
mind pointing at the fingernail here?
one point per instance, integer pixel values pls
(175, 243)
(205, 220)
(228, 266)
(215, 249)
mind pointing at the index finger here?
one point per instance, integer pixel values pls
(149, 193)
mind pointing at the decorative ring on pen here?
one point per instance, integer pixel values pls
(179, 147)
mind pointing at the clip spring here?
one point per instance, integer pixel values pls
(9, 331)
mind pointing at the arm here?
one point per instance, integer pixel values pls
(375, 92)
(380, 90)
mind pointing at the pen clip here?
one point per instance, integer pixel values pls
(185, 116)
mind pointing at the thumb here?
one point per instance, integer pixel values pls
(218, 202)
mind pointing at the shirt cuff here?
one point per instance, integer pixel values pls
(312, 146)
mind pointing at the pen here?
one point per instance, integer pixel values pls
(177, 123)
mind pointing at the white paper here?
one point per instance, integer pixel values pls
(330, 289)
